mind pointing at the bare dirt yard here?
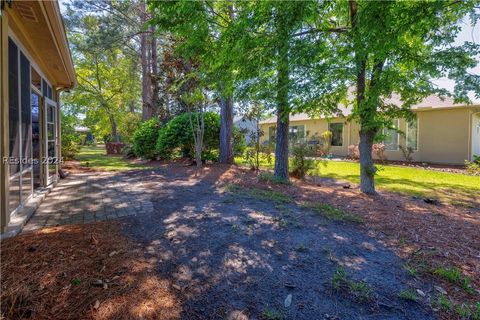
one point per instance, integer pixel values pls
(220, 244)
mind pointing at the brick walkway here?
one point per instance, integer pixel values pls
(90, 197)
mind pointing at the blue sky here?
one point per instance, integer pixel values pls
(468, 33)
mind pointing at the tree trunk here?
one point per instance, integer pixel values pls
(146, 83)
(155, 89)
(367, 168)
(283, 110)
(226, 130)
(113, 124)
(366, 111)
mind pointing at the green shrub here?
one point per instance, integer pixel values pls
(145, 139)
(239, 142)
(300, 164)
(473, 167)
(70, 138)
(177, 135)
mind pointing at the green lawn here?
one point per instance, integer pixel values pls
(96, 157)
(451, 187)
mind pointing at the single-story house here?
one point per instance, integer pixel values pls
(443, 132)
(36, 65)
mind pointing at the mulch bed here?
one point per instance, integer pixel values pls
(61, 272)
(426, 235)
(85, 271)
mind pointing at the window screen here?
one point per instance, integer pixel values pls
(337, 133)
(26, 115)
(44, 88)
(13, 113)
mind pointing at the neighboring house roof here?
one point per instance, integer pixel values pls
(40, 28)
(81, 129)
(432, 102)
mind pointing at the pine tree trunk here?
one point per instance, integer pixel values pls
(144, 56)
(367, 168)
(226, 130)
(283, 110)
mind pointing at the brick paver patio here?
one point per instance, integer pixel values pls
(90, 197)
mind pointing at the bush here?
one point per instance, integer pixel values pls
(177, 135)
(407, 153)
(378, 150)
(70, 146)
(70, 138)
(128, 152)
(239, 142)
(145, 139)
(129, 126)
(300, 164)
(473, 167)
(326, 142)
(354, 151)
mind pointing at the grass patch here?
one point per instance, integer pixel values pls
(410, 269)
(358, 289)
(454, 275)
(444, 303)
(269, 177)
(409, 295)
(270, 314)
(259, 194)
(96, 157)
(331, 212)
(445, 186)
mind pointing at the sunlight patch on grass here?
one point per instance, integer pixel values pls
(96, 157)
(447, 186)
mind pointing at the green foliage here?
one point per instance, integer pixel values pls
(300, 163)
(177, 135)
(239, 142)
(70, 138)
(145, 139)
(358, 289)
(129, 124)
(473, 167)
(108, 88)
(408, 294)
(260, 194)
(454, 275)
(331, 212)
(327, 142)
(269, 177)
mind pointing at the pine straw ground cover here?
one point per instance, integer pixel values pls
(81, 272)
(438, 241)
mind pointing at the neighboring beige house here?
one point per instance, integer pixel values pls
(443, 132)
(35, 65)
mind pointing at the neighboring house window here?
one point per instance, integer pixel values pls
(337, 133)
(272, 134)
(391, 137)
(412, 134)
(296, 133)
